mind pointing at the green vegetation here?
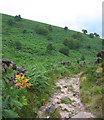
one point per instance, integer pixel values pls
(64, 50)
(84, 31)
(91, 89)
(71, 43)
(26, 42)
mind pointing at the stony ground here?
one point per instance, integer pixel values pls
(66, 100)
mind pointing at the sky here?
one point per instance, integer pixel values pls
(75, 14)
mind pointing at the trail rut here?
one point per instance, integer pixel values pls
(66, 99)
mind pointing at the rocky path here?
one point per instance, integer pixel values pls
(65, 100)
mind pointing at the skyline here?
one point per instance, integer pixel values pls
(76, 15)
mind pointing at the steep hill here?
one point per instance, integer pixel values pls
(33, 45)
(40, 48)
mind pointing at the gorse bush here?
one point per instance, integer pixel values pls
(42, 30)
(64, 50)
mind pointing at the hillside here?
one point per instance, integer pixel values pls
(34, 45)
(40, 48)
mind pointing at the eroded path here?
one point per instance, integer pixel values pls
(66, 100)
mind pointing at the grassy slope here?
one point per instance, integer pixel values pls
(33, 50)
(91, 90)
(36, 44)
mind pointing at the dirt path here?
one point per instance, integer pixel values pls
(66, 100)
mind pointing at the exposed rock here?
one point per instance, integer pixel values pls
(6, 61)
(21, 69)
(50, 109)
(99, 60)
(100, 54)
(13, 65)
(65, 86)
(72, 104)
(70, 115)
(4, 67)
(65, 99)
(83, 115)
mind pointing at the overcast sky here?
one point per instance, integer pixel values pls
(75, 14)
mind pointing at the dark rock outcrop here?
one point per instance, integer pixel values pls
(100, 54)
(100, 57)
(5, 63)
(21, 69)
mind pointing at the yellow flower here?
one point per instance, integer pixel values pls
(22, 77)
(44, 99)
(17, 84)
(18, 76)
(25, 80)
(21, 81)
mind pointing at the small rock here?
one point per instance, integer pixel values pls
(74, 94)
(47, 116)
(58, 102)
(65, 86)
(50, 109)
(42, 108)
(65, 99)
(6, 61)
(70, 115)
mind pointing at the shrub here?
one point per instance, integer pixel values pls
(71, 43)
(65, 28)
(89, 47)
(18, 45)
(64, 50)
(24, 31)
(42, 30)
(84, 31)
(50, 28)
(96, 35)
(78, 36)
(49, 47)
(17, 18)
(49, 37)
(19, 24)
(10, 22)
(83, 58)
(91, 35)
